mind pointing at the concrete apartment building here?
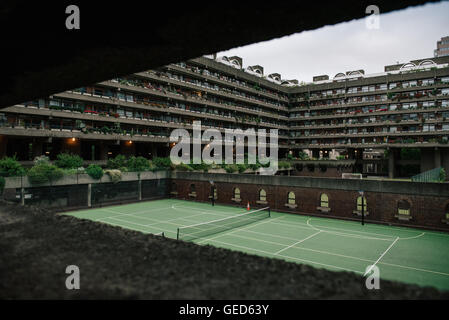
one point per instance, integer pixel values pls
(352, 116)
(442, 49)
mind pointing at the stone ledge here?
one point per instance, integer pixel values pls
(236, 200)
(192, 195)
(324, 209)
(261, 202)
(359, 213)
(403, 217)
(291, 206)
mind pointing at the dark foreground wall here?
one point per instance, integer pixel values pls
(428, 202)
(36, 247)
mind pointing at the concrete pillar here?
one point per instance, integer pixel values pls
(392, 164)
(22, 196)
(153, 150)
(89, 195)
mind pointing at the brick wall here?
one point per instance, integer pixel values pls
(425, 211)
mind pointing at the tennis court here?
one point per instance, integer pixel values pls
(403, 254)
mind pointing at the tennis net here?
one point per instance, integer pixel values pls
(205, 229)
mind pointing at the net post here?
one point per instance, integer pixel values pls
(177, 235)
(269, 212)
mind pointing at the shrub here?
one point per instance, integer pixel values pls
(95, 171)
(231, 168)
(200, 166)
(41, 159)
(138, 164)
(117, 162)
(69, 161)
(114, 174)
(242, 167)
(44, 172)
(162, 163)
(442, 175)
(183, 167)
(254, 166)
(2, 184)
(10, 167)
(284, 165)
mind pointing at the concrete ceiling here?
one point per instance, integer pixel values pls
(40, 56)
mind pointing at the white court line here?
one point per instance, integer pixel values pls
(372, 266)
(118, 214)
(285, 256)
(300, 241)
(336, 254)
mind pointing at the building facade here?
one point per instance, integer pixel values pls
(442, 49)
(353, 116)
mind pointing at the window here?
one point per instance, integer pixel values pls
(262, 195)
(404, 207)
(237, 193)
(291, 198)
(324, 200)
(359, 204)
(192, 190)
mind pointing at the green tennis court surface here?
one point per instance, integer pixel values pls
(402, 254)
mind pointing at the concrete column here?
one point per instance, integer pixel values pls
(22, 196)
(153, 150)
(89, 195)
(392, 164)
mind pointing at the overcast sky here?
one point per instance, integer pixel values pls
(403, 36)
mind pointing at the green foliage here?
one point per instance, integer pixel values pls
(114, 174)
(340, 157)
(200, 166)
(117, 162)
(284, 165)
(183, 167)
(303, 156)
(442, 176)
(68, 161)
(138, 164)
(242, 167)
(95, 171)
(2, 184)
(44, 172)
(162, 163)
(10, 167)
(254, 166)
(231, 168)
(290, 156)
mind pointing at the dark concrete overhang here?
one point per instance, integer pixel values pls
(40, 56)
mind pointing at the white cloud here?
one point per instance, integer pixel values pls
(403, 36)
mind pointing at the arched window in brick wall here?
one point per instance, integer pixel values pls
(291, 198)
(262, 195)
(237, 194)
(324, 200)
(192, 189)
(404, 207)
(359, 204)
